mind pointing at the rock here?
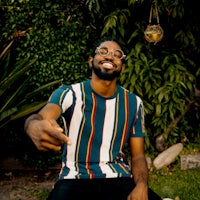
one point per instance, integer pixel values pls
(160, 140)
(167, 199)
(167, 157)
(190, 161)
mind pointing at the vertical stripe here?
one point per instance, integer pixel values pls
(108, 129)
(91, 135)
(107, 170)
(81, 126)
(141, 107)
(126, 119)
(116, 125)
(138, 101)
(75, 124)
(68, 100)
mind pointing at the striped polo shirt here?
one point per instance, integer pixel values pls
(99, 128)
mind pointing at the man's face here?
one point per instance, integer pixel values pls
(107, 62)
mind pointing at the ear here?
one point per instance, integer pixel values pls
(90, 60)
(123, 67)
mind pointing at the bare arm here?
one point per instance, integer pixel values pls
(139, 169)
(43, 129)
(138, 161)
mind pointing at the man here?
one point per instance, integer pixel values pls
(99, 117)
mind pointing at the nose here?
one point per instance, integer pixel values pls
(109, 55)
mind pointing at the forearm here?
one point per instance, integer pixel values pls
(139, 170)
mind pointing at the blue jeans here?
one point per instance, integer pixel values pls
(95, 189)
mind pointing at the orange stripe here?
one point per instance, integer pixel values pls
(122, 166)
(61, 96)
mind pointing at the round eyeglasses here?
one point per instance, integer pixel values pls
(116, 53)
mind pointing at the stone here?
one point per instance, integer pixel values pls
(190, 161)
(167, 199)
(167, 157)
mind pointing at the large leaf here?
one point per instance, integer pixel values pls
(12, 77)
(14, 113)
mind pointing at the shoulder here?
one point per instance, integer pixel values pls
(129, 93)
(64, 87)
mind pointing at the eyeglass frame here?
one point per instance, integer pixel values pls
(112, 52)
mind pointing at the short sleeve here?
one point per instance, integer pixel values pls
(138, 129)
(58, 97)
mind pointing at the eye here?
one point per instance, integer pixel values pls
(118, 54)
(103, 51)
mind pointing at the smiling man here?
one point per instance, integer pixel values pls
(99, 117)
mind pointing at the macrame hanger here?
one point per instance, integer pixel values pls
(153, 33)
(151, 12)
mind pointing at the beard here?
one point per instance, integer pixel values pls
(105, 75)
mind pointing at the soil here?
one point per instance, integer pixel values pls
(18, 182)
(25, 185)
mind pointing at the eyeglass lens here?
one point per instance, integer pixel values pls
(117, 53)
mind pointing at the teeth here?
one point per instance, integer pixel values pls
(108, 65)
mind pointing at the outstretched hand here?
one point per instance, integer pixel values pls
(47, 135)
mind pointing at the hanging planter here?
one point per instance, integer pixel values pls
(153, 33)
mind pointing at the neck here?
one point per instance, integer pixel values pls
(103, 87)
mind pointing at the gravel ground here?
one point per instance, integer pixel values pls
(25, 185)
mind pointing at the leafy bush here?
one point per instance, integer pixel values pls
(58, 37)
(15, 100)
(61, 34)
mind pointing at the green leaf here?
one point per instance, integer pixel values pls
(27, 109)
(12, 77)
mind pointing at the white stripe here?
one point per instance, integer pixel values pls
(107, 170)
(72, 172)
(107, 137)
(67, 102)
(139, 101)
(74, 130)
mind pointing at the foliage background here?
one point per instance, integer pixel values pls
(61, 35)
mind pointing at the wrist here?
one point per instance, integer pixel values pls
(141, 183)
(142, 179)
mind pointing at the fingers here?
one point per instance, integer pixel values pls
(46, 146)
(55, 131)
(46, 142)
(58, 135)
(47, 135)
